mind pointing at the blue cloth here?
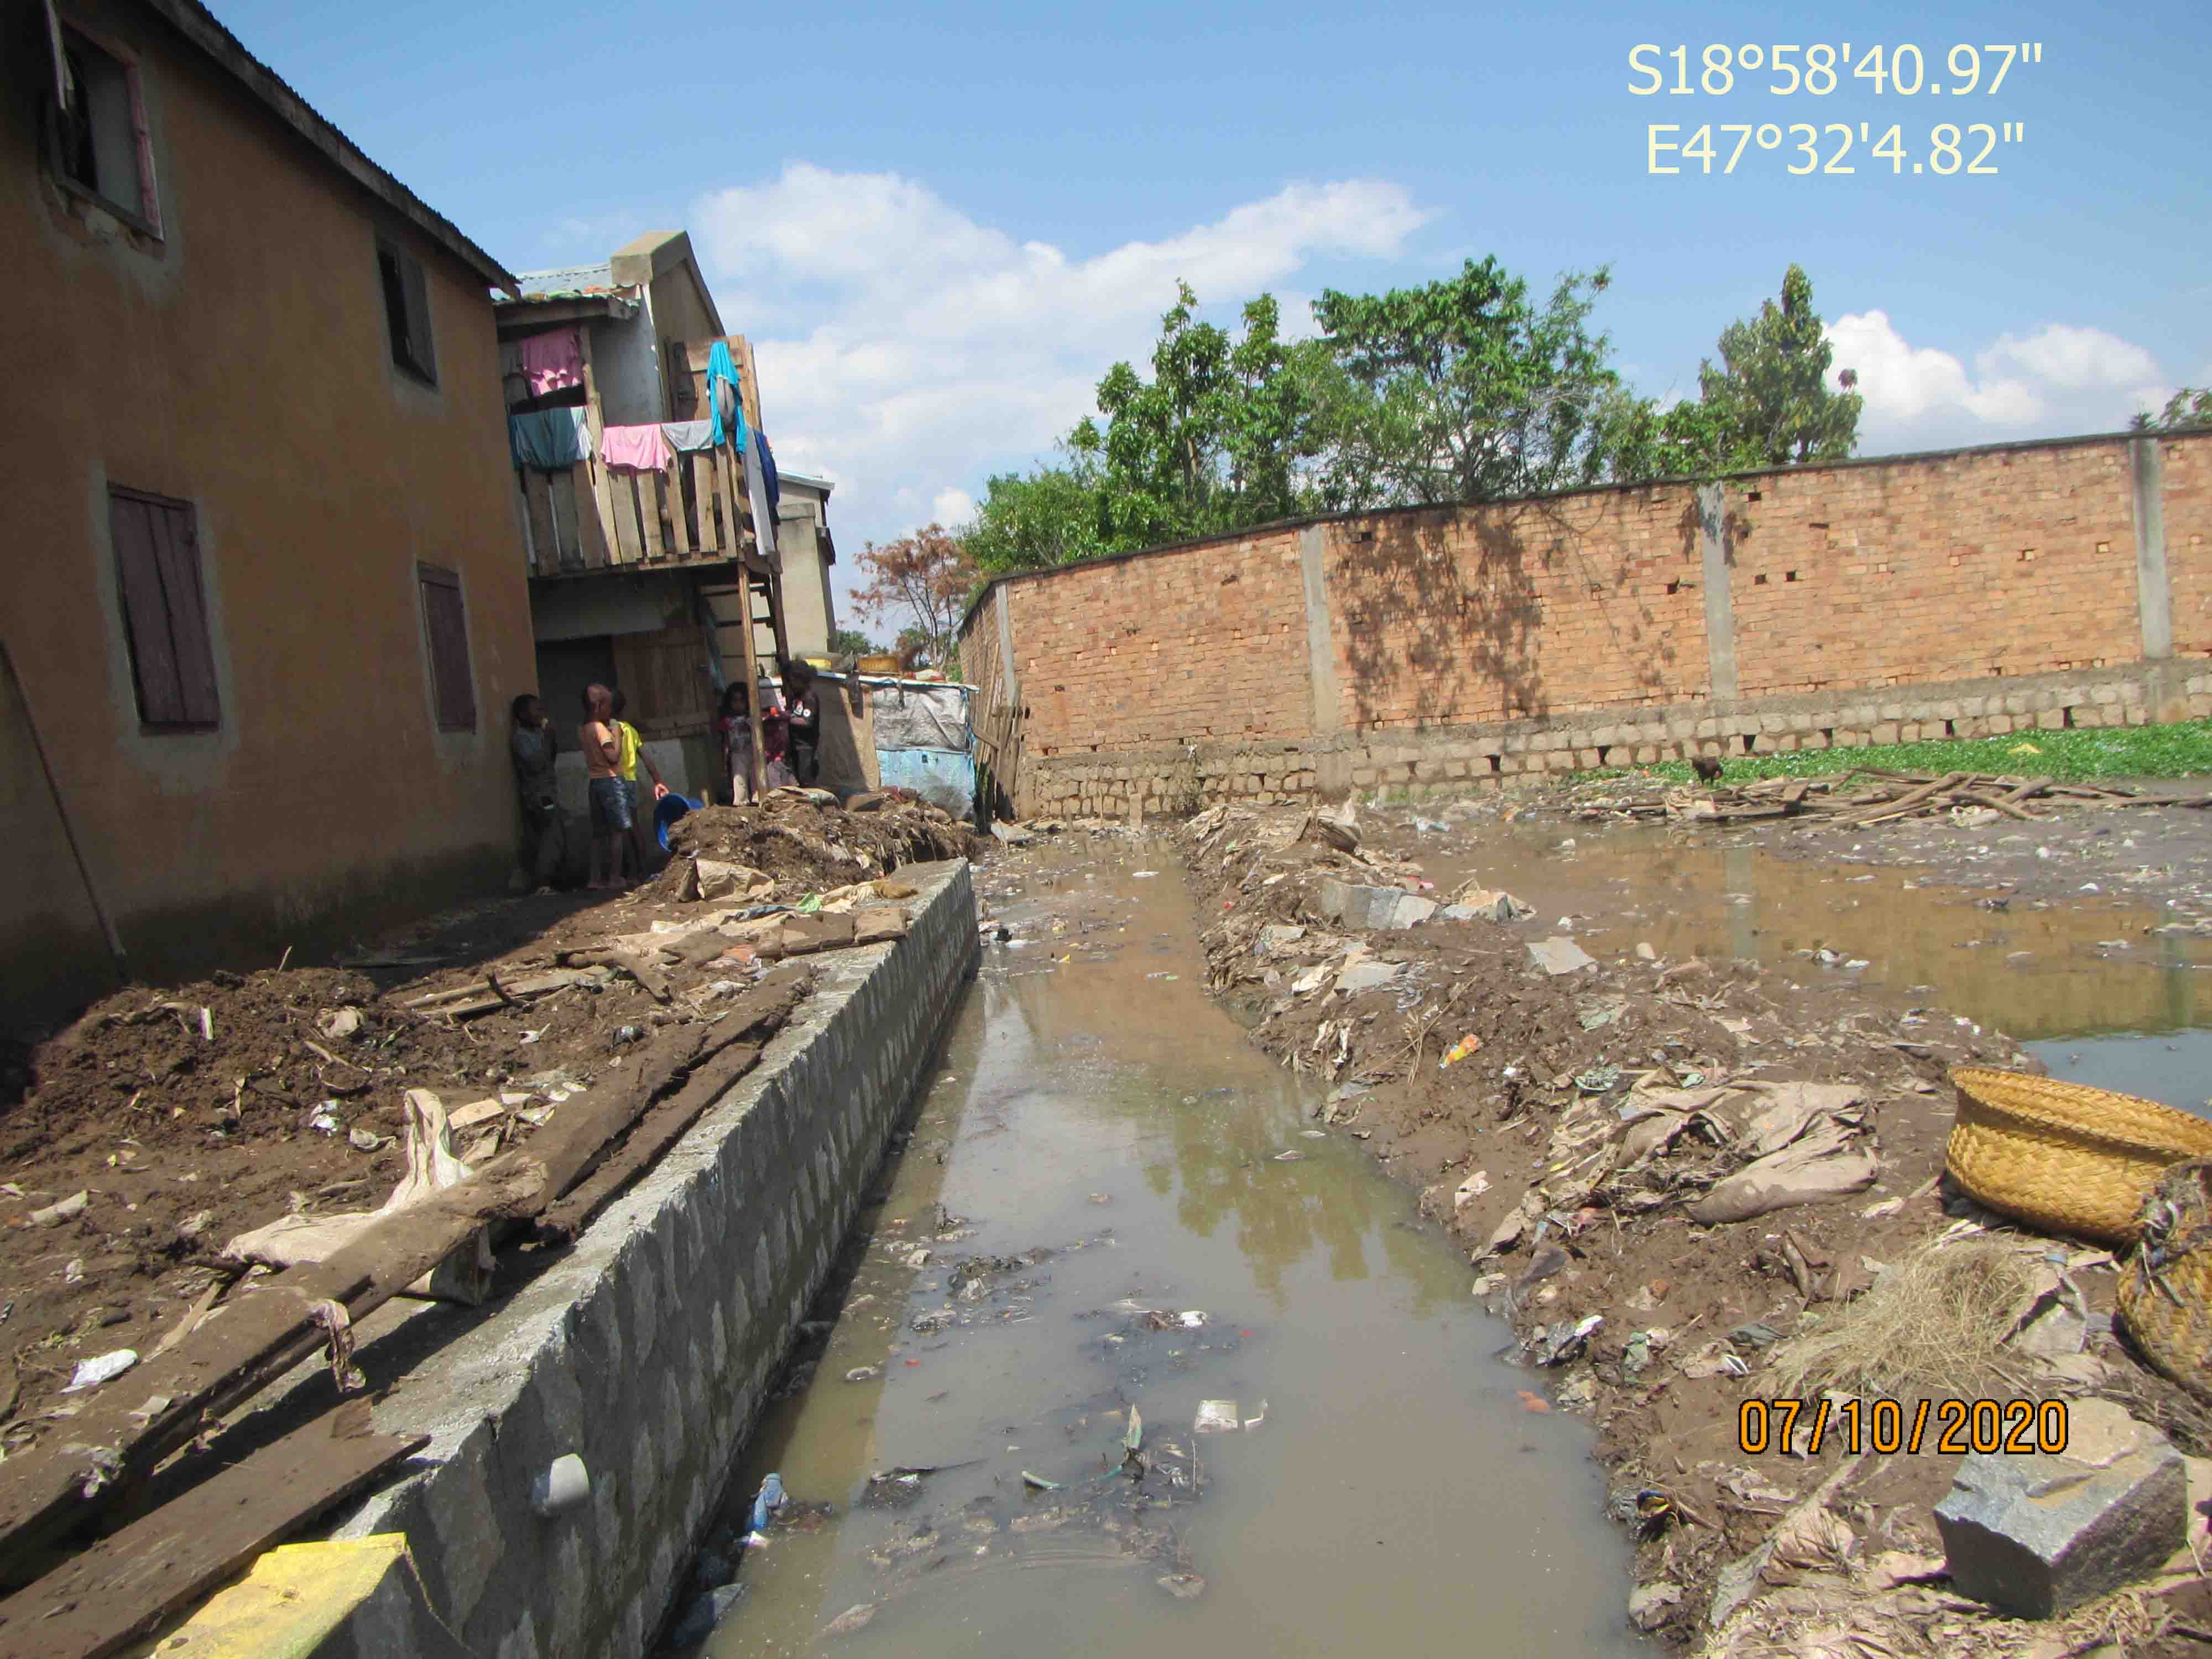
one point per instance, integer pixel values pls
(550, 439)
(767, 468)
(689, 435)
(721, 368)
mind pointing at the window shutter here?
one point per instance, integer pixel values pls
(418, 317)
(145, 611)
(176, 547)
(445, 623)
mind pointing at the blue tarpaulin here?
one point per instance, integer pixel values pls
(939, 776)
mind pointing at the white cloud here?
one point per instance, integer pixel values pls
(911, 348)
(951, 507)
(2063, 378)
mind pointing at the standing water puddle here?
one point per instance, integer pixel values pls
(2101, 987)
(1103, 1143)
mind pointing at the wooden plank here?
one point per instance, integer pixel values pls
(659, 1129)
(540, 541)
(592, 545)
(748, 379)
(774, 587)
(680, 541)
(650, 486)
(748, 664)
(100, 1600)
(131, 1426)
(630, 544)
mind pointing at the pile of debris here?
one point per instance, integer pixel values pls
(1861, 797)
(1698, 1190)
(802, 839)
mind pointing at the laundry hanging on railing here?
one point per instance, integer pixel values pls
(768, 470)
(688, 435)
(551, 361)
(642, 448)
(724, 397)
(550, 439)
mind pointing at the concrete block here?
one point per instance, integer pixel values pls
(2034, 1536)
(1884, 731)
(2051, 719)
(1373, 906)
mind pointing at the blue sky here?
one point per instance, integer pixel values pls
(940, 227)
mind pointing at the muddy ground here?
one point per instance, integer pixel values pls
(186, 1114)
(1499, 1090)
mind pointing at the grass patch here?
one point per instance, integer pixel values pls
(2065, 756)
(1934, 1325)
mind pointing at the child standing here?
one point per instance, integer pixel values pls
(611, 802)
(632, 751)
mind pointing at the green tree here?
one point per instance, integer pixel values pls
(2189, 408)
(1464, 390)
(851, 642)
(1212, 442)
(1770, 396)
(1048, 516)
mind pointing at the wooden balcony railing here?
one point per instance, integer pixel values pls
(594, 517)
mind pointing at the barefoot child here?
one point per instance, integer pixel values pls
(632, 751)
(610, 807)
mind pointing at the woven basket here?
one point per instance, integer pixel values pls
(2063, 1157)
(2166, 1290)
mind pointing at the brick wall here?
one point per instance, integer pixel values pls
(1951, 594)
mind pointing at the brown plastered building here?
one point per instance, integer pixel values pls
(262, 593)
(1965, 594)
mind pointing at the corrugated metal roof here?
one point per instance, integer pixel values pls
(568, 280)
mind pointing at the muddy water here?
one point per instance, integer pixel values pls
(2092, 965)
(1396, 1491)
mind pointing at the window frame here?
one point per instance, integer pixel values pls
(414, 296)
(188, 515)
(146, 215)
(428, 576)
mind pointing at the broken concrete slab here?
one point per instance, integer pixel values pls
(1279, 936)
(1560, 956)
(1367, 976)
(2034, 1536)
(1484, 905)
(1373, 906)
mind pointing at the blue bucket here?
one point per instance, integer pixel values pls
(668, 810)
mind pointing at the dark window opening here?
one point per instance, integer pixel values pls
(1749, 740)
(407, 310)
(445, 622)
(100, 130)
(165, 621)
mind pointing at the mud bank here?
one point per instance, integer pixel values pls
(1585, 1133)
(646, 1349)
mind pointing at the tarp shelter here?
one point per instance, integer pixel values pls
(926, 740)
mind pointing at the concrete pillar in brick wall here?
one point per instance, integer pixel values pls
(2154, 586)
(1720, 608)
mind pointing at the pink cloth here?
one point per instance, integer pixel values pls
(552, 361)
(640, 446)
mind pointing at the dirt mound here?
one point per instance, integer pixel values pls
(811, 846)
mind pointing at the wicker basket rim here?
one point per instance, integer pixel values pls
(2150, 1126)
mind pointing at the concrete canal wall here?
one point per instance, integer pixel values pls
(647, 1350)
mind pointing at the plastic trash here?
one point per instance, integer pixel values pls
(1460, 1050)
(771, 1498)
(1038, 1483)
(91, 1373)
(1217, 1416)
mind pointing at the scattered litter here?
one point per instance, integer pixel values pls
(864, 1374)
(1183, 1586)
(1560, 956)
(67, 1209)
(1216, 1417)
(91, 1373)
(1460, 1050)
(1038, 1483)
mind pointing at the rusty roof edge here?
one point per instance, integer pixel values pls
(1006, 578)
(201, 27)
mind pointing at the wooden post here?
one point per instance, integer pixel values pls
(749, 666)
(595, 420)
